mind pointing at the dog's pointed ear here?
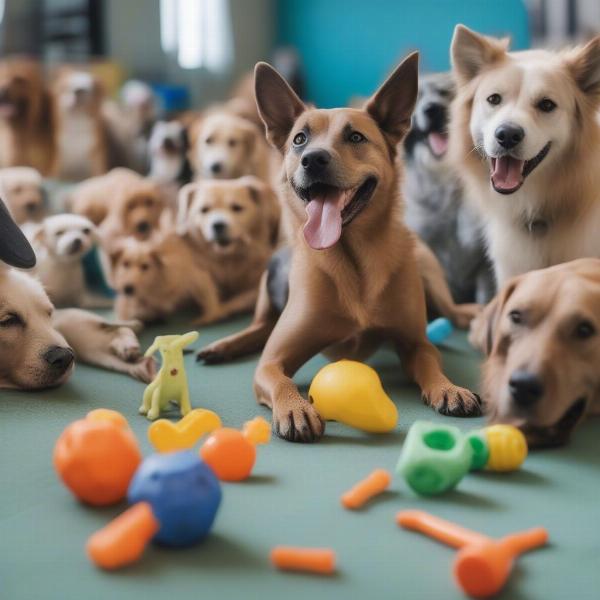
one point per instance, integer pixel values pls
(184, 201)
(278, 105)
(393, 103)
(471, 51)
(584, 64)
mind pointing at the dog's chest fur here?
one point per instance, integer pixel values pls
(77, 141)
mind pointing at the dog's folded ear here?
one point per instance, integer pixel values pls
(278, 105)
(184, 201)
(470, 52)
(584, 64)
(393, 103)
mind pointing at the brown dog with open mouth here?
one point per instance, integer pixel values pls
(541, 372)
(354, 279)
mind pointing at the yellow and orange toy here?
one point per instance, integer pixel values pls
(183, 435)
(482, 564)
(96, 457)
(230, 453)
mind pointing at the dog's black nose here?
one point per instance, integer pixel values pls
(436, 113)
(219, 227)
(509, 135)
(76, 245)
(59, 358)
(526, 388)
(216, 168)
(143, 227)
(316, 161)
(31, 207)
(128, 290)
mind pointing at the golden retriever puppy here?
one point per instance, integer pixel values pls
(354, 279)
(22, 190)
(81, 131)
(93, 197)
(525, 140)
(60, 243)
(235, 225)
(225, 146)
(26, 130)
(110, 345)
(541, 337)
(154, 279)
(33, 355)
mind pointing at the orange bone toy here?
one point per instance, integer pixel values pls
(482, 565)
(377, 482)
(312, 560)
(124, 539)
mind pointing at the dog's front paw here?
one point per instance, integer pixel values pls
(126, 350)
(298, 423)
(212, 354)
(453, 401)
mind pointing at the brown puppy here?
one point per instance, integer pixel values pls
(354, 279)
(234, 224)
(543, 349)
(81, 130)
(26, 131)
(22, 190)
(154, 279)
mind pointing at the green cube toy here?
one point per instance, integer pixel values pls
(434, 457)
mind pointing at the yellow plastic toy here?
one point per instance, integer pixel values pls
(106, 414)
(170, 383)
(508, 447)
(351, 392)
(257, 431)
(183, 435)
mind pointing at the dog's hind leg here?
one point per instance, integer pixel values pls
(437, 291)
(250, 340)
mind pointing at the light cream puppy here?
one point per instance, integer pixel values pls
(110, 345)
(525, 140)
(33, 355)
(21, 188)
(60, 243)
(235, 225)
(226, 146)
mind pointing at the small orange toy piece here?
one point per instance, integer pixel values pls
(311, 560)
(229, 454)
(257, 431)
(124, 539)
(96, 459)
(377, 482)
(482, 565)
(106, 414)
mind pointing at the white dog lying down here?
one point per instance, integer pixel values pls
(38, 347)
(60, 243)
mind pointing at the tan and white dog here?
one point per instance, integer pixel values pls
(22, 190)
(525, 139)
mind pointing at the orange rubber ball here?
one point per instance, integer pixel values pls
(96, 460)
(229, 454)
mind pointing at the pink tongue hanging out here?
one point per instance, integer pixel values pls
(324, 226)
(438, 142)
(507, 173)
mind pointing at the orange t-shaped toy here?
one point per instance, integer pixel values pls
(482, 564)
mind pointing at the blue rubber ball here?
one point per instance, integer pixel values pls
(184, 494)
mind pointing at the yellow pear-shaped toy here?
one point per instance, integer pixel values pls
(351, 392)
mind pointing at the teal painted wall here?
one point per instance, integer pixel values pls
(348, 46)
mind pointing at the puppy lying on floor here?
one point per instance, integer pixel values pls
(21, 188)
(154, 279)
(60, 243)
(354, 280)
(234, 226)
(540, 335)
(436, 208)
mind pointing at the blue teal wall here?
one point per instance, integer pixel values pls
(348, 46)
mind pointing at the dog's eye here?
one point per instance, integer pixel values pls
(232, 143)
(515, 317)
(494, 99)
(209, 140)
(11, 320)
(144, 266)
(299, 139)
(584, 330)
(546, 105)
(86, 231)
(148, 202)
(126, 264)
(237, 208)
(444, 93)
(59, 233)
(356, 137)
(204, 209)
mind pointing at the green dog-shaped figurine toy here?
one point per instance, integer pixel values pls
(170, 383)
